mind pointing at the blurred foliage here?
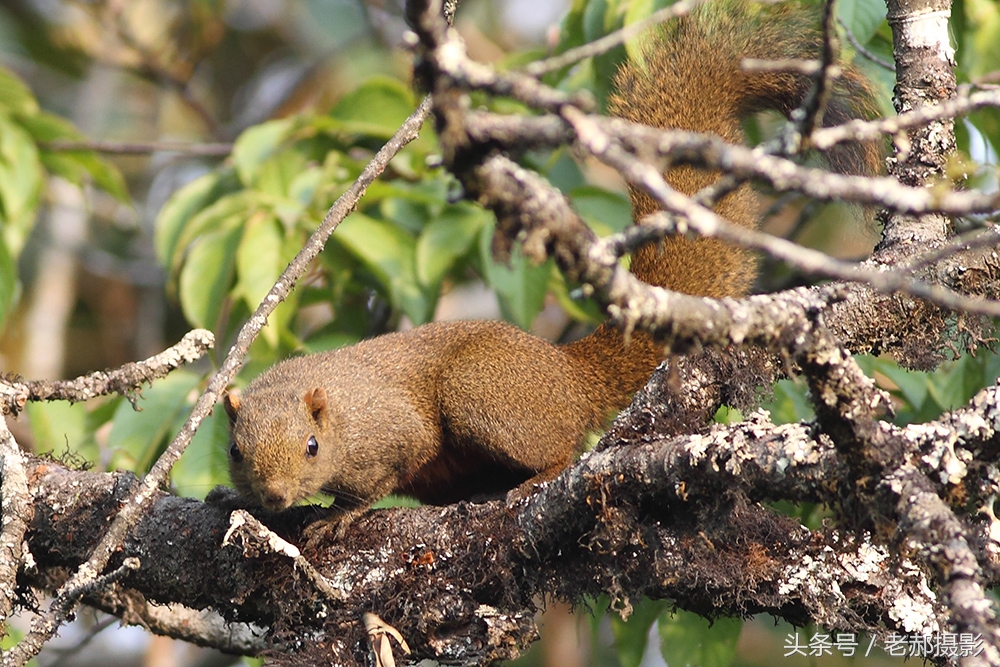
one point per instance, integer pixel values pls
(307, 91)
(25, 163)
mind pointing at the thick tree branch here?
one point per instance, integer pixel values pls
(419, 570)
(17, 514)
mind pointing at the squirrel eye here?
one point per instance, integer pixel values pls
(235, 453)
(312, 447)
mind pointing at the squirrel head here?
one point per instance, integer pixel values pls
(278, 457)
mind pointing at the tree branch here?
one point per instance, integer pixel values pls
(126, 380)
(141, 147)
(17, 514)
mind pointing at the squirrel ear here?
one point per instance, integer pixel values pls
(315, 400)
(231, 399)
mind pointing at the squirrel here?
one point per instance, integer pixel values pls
(452, 410)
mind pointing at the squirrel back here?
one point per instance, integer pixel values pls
(452, 410)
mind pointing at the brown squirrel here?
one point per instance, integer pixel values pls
(450, 410)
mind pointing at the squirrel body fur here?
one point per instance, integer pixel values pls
(453, 410)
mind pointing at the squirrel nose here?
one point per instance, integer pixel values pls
(274, 500)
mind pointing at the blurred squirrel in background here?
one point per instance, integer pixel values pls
(452, 410)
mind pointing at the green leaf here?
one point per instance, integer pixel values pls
(138, 438)
(15, 97)
(631, 636)
(390, 254)
(20, 183)
(571, 30)
(276, 174)
(984, 19)
(377, 108)
(987, 121)
(636, 11)
(991, 366)
(258, 260)
(688, 640)
(597, 20)
(258, 144)
(447, 238)
(562, 171)
(606, 212)
(954, 383)
(11, 636)
(207, 276)
(407, 214)
(291, 184)
(861, 17)
(57, 426)
(409, 205)
(205, 463)
(175, 216)
(520, 285)
(77, 166)
(303, 187)
(331, 341)
(582, 310)
(8, 281)
(789, 403)
(228, 212)
(102, 413)
(727, 415)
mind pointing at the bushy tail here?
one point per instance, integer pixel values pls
(690, 78)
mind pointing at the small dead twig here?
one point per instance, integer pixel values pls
(259, 538)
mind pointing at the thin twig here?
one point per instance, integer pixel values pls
(43, 627)
(611, 40)
(125, 380)
(706, 222)
(706, 151)
(972, 240)
(860, 48)
(64, 655)
(797, 65)
(809, 115)
(130, 564)
(871, 130)
(257, 536)
(140, 147)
